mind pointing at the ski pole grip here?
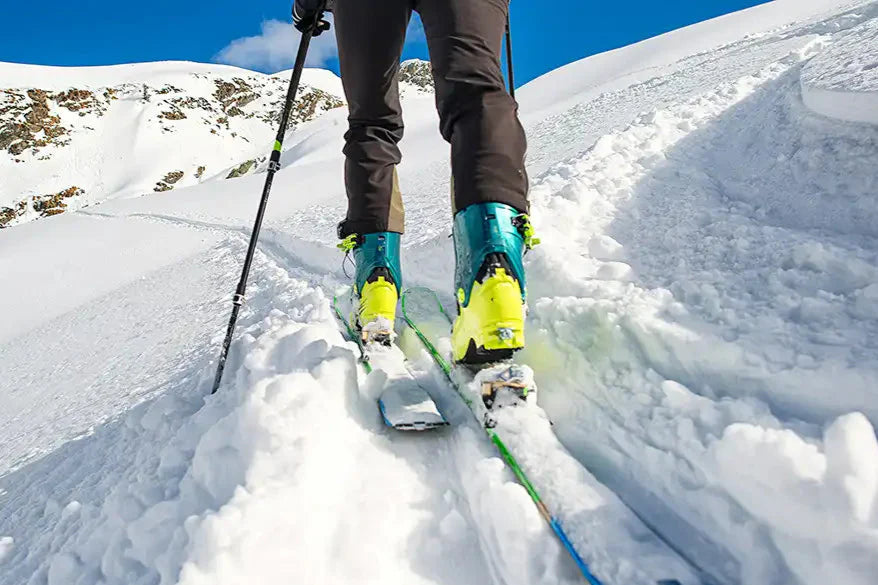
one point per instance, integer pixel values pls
(319, 25)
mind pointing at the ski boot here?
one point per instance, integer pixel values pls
(377, 283)
(489, 242)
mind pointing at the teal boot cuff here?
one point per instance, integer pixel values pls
(482, 229)
(377, 250)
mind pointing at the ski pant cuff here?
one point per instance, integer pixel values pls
(348, 227)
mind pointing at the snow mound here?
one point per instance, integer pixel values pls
(265, 481)
(842, 81)
(289, 475)
(684, 300)
(802, 490)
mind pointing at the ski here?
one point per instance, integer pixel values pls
(404, 405)
(501, 396)
(487, 391)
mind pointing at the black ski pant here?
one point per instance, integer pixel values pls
(476, 114)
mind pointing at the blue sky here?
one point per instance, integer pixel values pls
(100, 32)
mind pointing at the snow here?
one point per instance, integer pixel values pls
(800, 491)
(566, 86)
(16, 75)
(842, 82)
(6, 544)
(140, 123)
(712, 258)
(703, 329)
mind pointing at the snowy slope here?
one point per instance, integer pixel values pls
(72, 137)
(129, 130)
(703, 326)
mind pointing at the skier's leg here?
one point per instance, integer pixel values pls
(477, 115)
(489, 184)
(370, 37)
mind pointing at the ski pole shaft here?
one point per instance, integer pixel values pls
(511, 74)
(273, 167)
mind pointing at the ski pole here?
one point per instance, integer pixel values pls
(273, 167)
(511, 74)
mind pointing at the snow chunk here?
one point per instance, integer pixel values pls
(820, 505)
(852, 464)
(842, 82)
(7, 543)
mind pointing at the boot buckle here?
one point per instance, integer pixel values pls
(505, 333)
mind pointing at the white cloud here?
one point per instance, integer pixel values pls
(275, 48)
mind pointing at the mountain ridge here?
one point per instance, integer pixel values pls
(232, 110)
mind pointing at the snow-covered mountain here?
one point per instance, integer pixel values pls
(703, 328)
(72, 137)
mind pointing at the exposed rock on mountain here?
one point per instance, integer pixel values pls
(115, 130)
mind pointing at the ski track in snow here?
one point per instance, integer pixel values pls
(704, 326)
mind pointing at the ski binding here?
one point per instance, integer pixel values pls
(379, 332)
(503, 385)
(403, 405)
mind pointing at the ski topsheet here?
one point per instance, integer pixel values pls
(404, 405)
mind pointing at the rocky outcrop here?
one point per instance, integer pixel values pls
(54, 204)
(167, 183)
(174, 114)
(242, 169)
(418, 74)
(83, 102)
(41, 205)
(27, 121)
(311, 103)
(228, 111)
(10, 214)
(234, 95)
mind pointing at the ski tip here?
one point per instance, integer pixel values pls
(420, 423)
